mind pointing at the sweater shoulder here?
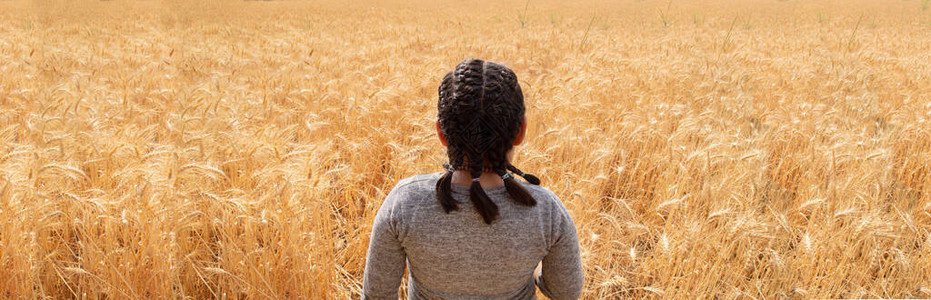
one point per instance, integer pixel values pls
(412, 190)
(545, 197)
(417, 184)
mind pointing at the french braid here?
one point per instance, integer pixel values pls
(480, 111)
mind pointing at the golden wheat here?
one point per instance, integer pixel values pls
(737, 149)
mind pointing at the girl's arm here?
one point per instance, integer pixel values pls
(562, 274)
(385, 262)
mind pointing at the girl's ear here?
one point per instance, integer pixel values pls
(439, 133)
(520, 134)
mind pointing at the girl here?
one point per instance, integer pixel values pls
(473, 231)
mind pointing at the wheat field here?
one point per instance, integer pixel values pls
(730, 149)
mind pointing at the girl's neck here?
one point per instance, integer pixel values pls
(487, 180)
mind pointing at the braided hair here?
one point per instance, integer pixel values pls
(481, 108)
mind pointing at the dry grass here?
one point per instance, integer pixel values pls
(753, 149)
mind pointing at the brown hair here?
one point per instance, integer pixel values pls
(480, 111)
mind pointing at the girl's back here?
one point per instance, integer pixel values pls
(450, 257)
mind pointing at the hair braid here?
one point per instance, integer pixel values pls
(481, 108)
(487, 208)
(527, 176)
(514, 189)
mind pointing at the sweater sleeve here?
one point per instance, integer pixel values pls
(562, 274)
(386, 259)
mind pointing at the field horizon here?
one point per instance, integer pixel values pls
(233, 149)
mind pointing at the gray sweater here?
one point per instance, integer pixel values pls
(458, 256)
